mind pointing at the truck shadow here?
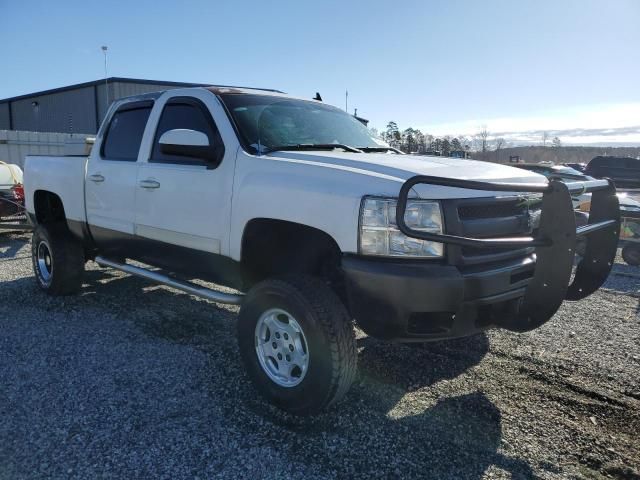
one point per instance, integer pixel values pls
(623, 278)
(455, 436)
(11, 244)
(159, 312)
(414, 366)
(374, 432)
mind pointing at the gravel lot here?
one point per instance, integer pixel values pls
(129, 380)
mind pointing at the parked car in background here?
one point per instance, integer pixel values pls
(565, 174)
(561, 172)
(576, 166)
(629, 209)
(630, 235)
(625, 172)
(630, 226)
(11, 190)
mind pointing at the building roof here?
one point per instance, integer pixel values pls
(139, 81)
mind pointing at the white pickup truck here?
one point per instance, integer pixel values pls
(314, 223)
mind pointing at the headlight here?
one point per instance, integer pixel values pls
(379, 234)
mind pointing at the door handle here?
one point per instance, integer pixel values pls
(149, 184)
(97, 178)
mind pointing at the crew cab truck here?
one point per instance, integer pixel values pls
(315, 223)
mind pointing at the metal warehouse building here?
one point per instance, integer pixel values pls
(74, 109)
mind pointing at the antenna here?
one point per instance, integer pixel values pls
(104, 49)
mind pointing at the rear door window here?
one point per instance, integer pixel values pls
(124, 135)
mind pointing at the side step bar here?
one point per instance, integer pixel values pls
(183, 286)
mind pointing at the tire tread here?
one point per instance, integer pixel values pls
(68, 258)
(334, 321)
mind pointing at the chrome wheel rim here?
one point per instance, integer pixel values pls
(45, 263)
(282, 348)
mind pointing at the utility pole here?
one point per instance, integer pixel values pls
(106, 83)
(346, 101)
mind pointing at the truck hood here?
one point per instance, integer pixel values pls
(399, 168)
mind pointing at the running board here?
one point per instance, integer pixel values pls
(183, 286)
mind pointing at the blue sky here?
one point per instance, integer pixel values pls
(448, 67)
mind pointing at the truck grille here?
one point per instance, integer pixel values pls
(484, 218)
(506, 209)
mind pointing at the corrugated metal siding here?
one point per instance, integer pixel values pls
(5, 124)
(121, 89)
(15, 145)
(118, 90)
(72, 111)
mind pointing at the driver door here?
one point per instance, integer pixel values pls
(183, 202)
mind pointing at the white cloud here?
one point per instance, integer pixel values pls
(604, 123)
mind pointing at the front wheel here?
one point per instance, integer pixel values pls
(297, 342)
(58, 259)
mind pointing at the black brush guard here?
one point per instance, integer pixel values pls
(555, 242)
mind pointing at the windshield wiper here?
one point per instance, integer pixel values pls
(311, 146)
(380, 149)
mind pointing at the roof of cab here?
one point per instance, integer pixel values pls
(220, 89)
(215, 89)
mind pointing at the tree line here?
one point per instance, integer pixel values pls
(412, 140)
(482, 145)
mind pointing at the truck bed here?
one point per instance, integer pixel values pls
(63, 175)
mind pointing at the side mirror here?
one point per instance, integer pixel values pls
(186, 143)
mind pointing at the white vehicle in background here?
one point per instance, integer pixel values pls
(315, 223)
(11, 195)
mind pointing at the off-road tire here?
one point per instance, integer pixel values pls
(329, 333)
(66, 259)
(631, 254)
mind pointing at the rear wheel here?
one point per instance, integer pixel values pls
(58, 259)
(631, 254)
(297, 342)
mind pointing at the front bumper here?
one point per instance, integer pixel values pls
(422, 300)
(418, 301)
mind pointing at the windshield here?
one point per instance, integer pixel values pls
(267, 122)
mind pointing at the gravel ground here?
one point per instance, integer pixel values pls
(129, 380)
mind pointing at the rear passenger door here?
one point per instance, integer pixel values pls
(112, 178)
(183, 201)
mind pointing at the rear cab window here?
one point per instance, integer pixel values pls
(124, 133)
